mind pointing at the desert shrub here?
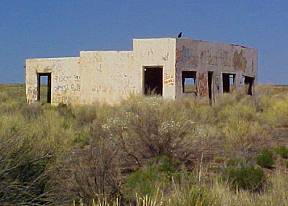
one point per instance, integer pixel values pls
(53, 155)
(152, 127)
(273, 194)
(89, 172)
(165, 165)
(82, 138)
(242, 132)
(265, 159)
(196, 110)
(242, 109)
(237, 162)
(282, 151)
(244, 177)
(145, 181)
(85, 115)
(150, 178)
(243, 137)
(22, 170)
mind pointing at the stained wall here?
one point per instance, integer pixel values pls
(202, 56)
(111, 76)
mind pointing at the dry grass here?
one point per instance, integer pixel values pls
(102, 147)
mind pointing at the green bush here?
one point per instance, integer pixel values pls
(147, 180)
(265, 159)
(282, 151)
(244, 177)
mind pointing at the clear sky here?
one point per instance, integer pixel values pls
(51, 28)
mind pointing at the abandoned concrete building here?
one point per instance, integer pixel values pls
(170, 67)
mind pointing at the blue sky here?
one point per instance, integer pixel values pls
(39, 28)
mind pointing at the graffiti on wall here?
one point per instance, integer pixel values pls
(66, 88)
(65, 78)
(101, 89)
(166, 57)
(65, 83)
(168, 79)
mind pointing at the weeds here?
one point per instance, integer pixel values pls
(265, 159)
(151, 147)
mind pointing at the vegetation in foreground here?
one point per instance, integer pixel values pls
(145, 151)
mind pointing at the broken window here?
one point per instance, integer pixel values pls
(44, 87)
(189, 81)
(153, 80)
(228, 82)
(249, 82)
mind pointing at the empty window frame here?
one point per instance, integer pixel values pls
(44, 87)
(189, 81)
(228, 82)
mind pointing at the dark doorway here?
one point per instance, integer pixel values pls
(44, 87)
(153, 80)
(210, 86)
(249, 82)
(228, 82)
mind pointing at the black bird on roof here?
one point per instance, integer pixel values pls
(180, 35)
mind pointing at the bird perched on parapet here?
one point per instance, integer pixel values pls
(180, 35)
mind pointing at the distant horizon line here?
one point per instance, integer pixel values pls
(258, 83)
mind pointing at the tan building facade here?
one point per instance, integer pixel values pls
(170, 67)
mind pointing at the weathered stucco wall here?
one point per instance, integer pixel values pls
(201, 56)
(157, 52)
(108, 76)
(65, 79)
(111, 76)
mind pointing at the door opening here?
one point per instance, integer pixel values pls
(44, 87)
(228, 82)
(153, 80)
(249, 82)
(210, 87)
